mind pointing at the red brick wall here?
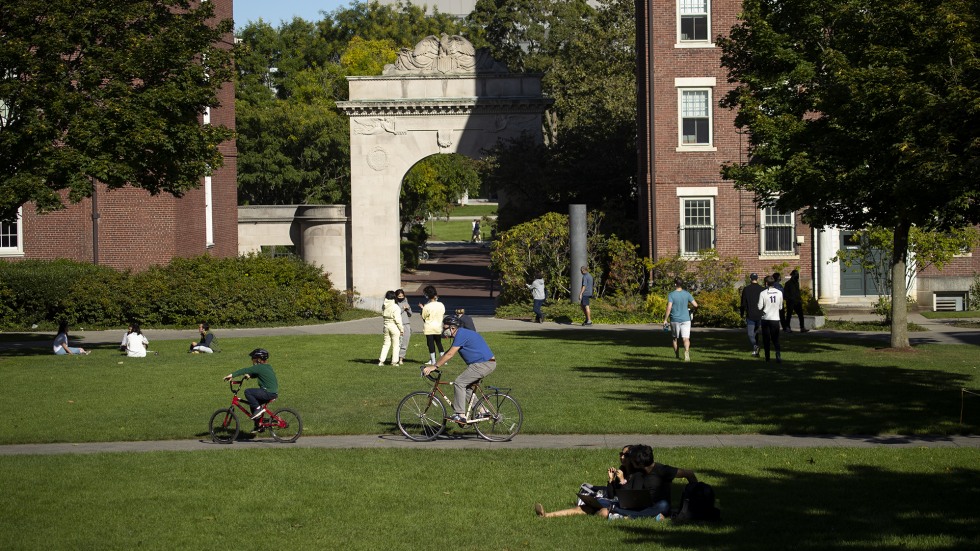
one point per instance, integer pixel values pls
(136, 230)
(736, 217)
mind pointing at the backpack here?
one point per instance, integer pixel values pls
(698, 504)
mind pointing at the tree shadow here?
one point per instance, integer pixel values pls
(863, 507)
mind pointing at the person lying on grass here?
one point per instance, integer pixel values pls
(617, 478)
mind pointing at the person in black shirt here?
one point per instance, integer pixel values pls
(749, 309)
(653, 477)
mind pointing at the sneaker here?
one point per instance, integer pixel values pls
(778, 359)
(615, 516)
(804, 330)
(257, 430)
(258, 413)
(787, 330)
(687, 356)
(457, 418)
(380, 364)
(483, 415)
(755, 351)
(587, 323)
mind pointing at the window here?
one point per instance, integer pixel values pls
(693, 21)
(11, 237)
(694, 112)
(778, 232)
(697, 225)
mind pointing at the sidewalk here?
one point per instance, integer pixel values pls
(470, 441)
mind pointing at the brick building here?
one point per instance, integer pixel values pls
(684, 139)
(129, 228)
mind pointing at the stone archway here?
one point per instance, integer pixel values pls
(443, 96)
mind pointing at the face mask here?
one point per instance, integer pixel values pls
(402, 299)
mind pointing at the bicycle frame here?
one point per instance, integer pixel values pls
(268, 420)
(478, 396)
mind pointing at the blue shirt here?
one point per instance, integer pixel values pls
(679, 311)
(472, 348)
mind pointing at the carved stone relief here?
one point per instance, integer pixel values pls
(444, 55)
(377, 159)
(375, 125)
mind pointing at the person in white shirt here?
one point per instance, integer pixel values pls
(771, 304)
(136, 343)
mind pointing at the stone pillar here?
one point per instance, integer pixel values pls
(577, 239)
(323, 230)
(829, 273)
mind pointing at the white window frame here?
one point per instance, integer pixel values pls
(695, 194)
(19, 249)
(706, 42)
(701, 85)
(764, 216)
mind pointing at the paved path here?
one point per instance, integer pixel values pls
(470, 441)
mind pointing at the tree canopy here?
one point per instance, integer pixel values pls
(861, 114)
(107, 90)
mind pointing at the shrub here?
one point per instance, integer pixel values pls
(975, 292)
(718, 308)
(656, 305)
(810, 305)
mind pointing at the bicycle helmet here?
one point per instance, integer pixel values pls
(451, 321)
(259, 353)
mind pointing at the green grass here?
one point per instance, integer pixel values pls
(950, 315)
(424, 498)
(454, 230)
(573, 381)
(476, 210)
(881, 326)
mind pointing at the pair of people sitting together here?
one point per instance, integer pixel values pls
(637, 471)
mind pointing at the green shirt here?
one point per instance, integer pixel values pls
(265, 374)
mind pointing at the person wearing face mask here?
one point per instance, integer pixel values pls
(406, 311)
(480, 362)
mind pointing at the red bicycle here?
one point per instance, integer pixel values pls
(284, 424)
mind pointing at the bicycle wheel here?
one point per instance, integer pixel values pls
(505, 421)
(421, 417)
(224, 426)
(288, 427)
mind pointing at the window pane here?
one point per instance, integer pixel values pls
(694, 103)
(694, 27)
(695, 131)
(697, 212)
(689, 7)
(8, 235)
(779, 239)
(697, 239)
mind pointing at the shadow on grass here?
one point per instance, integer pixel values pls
(861, 508)
(809, 393)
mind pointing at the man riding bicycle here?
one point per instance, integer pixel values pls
(480, 362)
(268, 384)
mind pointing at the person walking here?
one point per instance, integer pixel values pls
(679, 314)
(793, 297)
(585, 294)
(406, 313)
(777, 283)
(391, 328)
(749, 310)
(537, 294)
(432, 314)
(771, 304)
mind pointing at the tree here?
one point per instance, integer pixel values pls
(861, 114)
(107, 90)
(435, 184)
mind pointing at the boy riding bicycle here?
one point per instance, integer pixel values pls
(268, 385)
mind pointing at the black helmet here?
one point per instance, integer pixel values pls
(259, 353)
(451, 321)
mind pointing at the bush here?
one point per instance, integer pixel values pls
(718, 308)
(246, 290)
(975, 292)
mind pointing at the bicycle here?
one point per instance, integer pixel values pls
(423, 254)
(285, 425)
(422, 415)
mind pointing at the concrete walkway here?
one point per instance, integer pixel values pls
(468, 440)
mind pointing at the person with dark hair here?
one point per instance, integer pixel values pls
(60, 345)
(432, 314)
(204, 345)
(391, 328)
(479, 359)
(537, 295)
(585, 294)
(405, 310)
(749, 309)
(793, 297)
(268, 389)
(653, 477)
(465, 320)
(679, 314)
(777, 283)
(771, 304)
(617, 478)
(136, 342)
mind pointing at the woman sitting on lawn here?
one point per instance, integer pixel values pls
(617, 478)
(61, 347)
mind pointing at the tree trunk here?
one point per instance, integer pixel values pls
(900, 315)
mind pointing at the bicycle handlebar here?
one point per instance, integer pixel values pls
(433, 376)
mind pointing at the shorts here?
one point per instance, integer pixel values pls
(680, 329)
(585, 300)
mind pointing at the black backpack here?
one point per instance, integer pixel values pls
(697, 504)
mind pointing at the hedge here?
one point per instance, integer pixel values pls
(246, 290)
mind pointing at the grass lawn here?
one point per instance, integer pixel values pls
(475, 210)
(454, 230)
(572, 381)
(951, 315)
(368, 499)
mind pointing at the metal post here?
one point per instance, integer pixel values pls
(577, 240)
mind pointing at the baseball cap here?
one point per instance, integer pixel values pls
(753, 277)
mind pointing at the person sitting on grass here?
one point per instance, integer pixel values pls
(268, 384)
(617, 478)
(650, 476)
(136, 342)
(203, 345)
(61, 347)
